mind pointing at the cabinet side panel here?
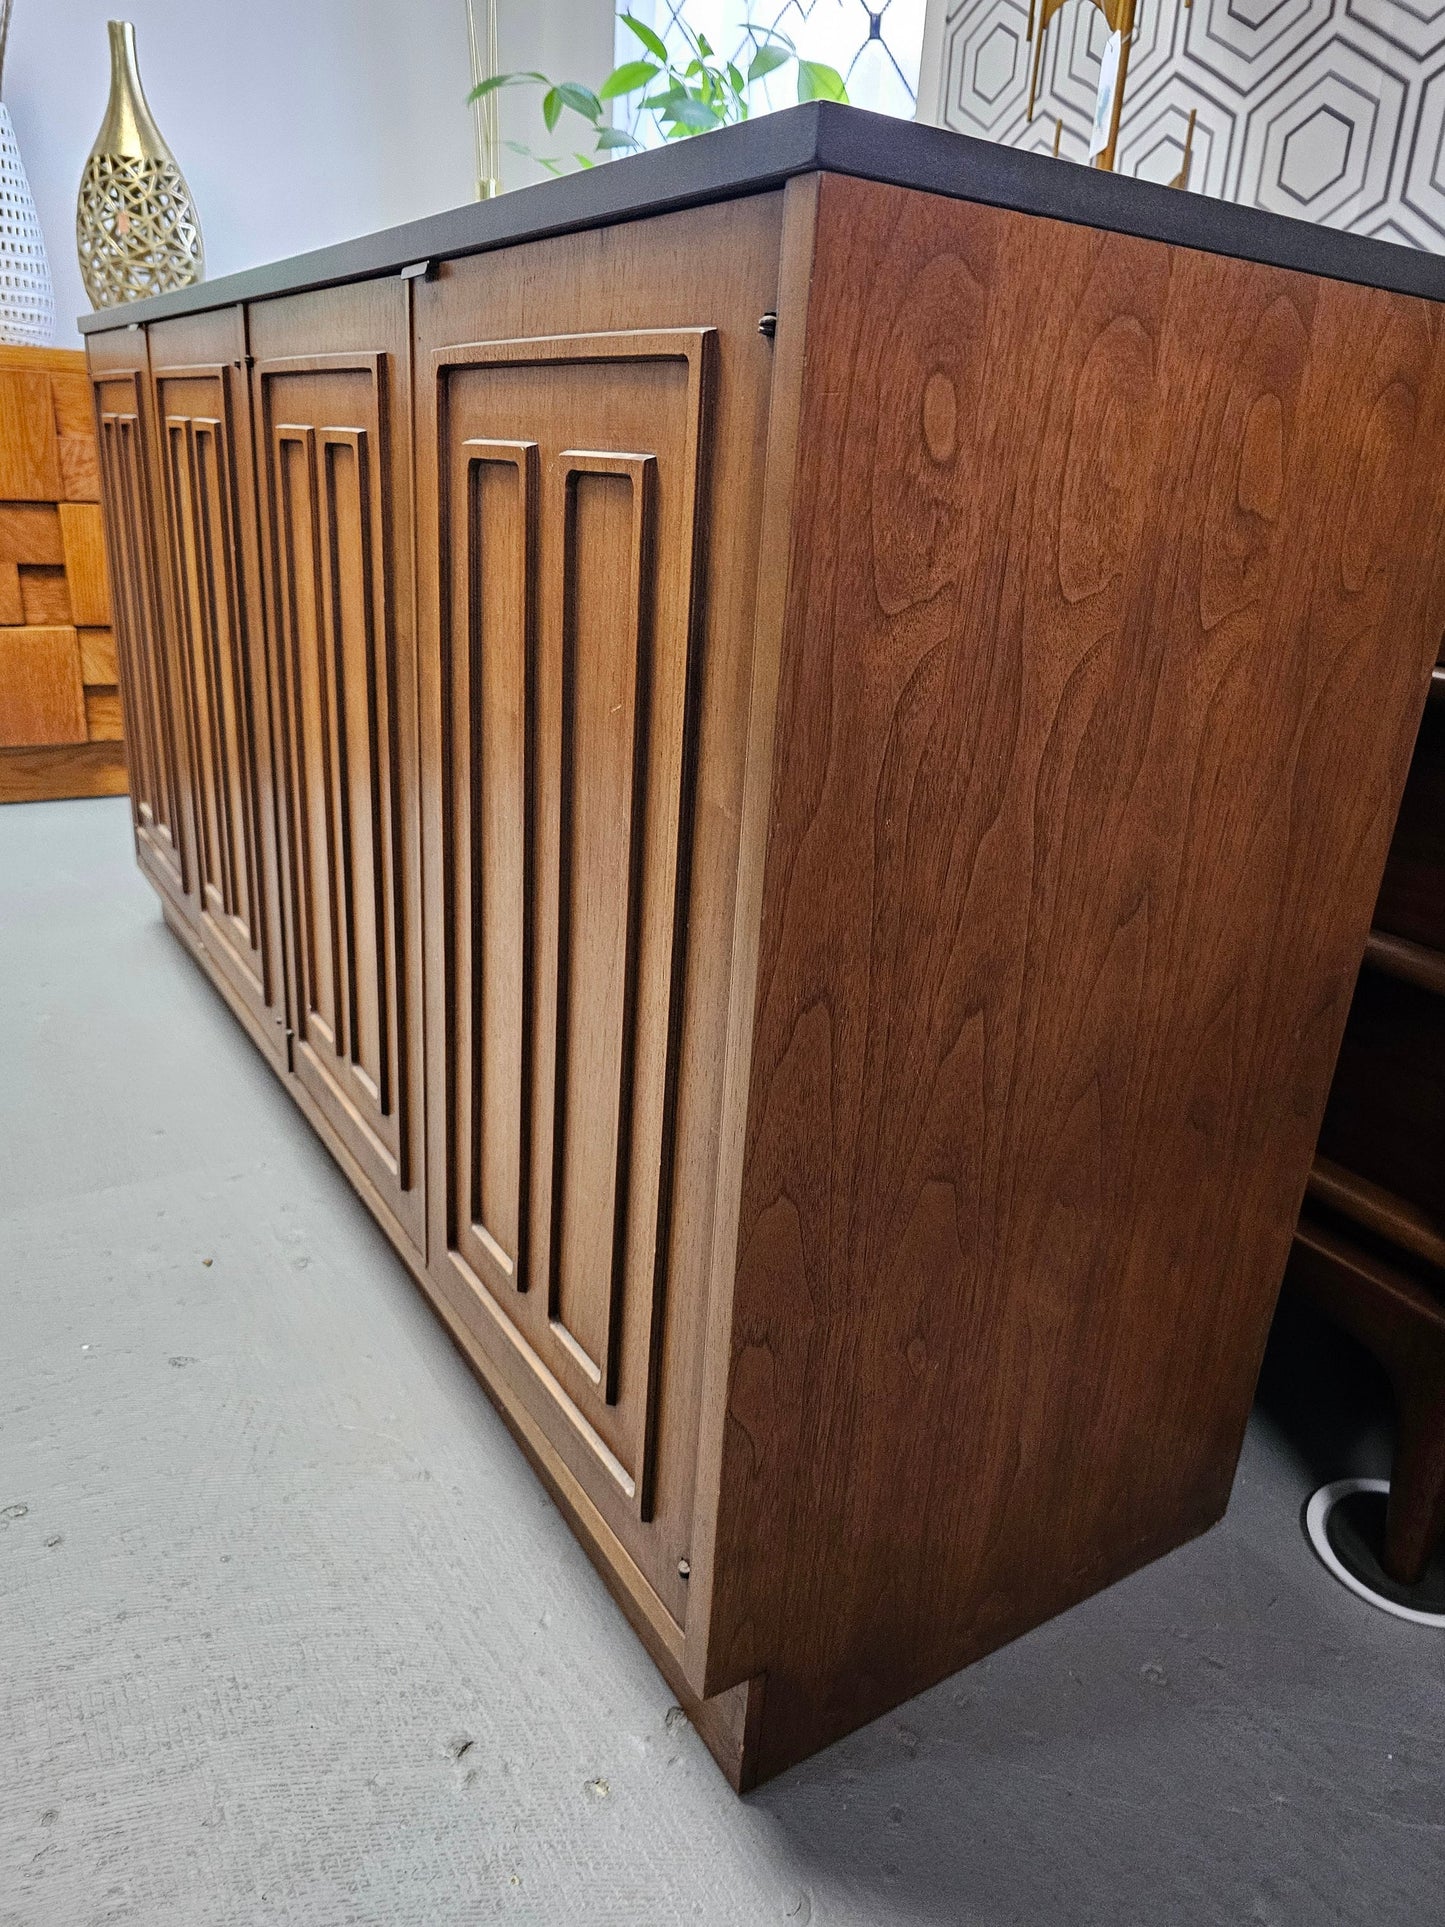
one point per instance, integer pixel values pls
(1115, 587)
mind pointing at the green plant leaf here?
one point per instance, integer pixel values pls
(653, 42)
(627, 78)
(762, 35)
(703, 47)
(580, 99)
(695, 115)
(766, 61)
(656, 102)
(615, 137)
(583, 161)
(735, 79)
(817, 81)
(494, 81)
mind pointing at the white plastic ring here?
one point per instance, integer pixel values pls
(1316, 1520)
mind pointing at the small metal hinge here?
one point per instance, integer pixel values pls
(768, 325)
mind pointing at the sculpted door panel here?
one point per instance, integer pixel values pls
(337, 517)
(154, 729)
(570, 473)
(204, 433)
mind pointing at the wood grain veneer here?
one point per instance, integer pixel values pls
(820, 867)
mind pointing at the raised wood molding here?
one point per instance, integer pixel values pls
(330, 386)
(569, 590)
(119, 367)
(212, 607)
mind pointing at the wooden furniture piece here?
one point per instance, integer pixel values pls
(809, 867)
(1370, 1247)
(60, 712)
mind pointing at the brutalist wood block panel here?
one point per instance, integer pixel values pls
(849, 804)
(54, 596)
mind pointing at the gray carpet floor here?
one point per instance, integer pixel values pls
(290, 1633)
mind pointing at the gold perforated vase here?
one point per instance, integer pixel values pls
(136, 227)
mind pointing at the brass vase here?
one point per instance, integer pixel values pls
(136, 227)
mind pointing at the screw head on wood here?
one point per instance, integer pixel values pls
(684, 1568)
(768, 326)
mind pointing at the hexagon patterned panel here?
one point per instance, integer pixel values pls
(1330, 110)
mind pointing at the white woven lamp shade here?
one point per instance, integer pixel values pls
(27, 299)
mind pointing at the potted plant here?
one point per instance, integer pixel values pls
(690, 95)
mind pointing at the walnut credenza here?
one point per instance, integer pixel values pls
(60, 712)
(788, 746)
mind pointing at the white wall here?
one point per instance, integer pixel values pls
(296, 122)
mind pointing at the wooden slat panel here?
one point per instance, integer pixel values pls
(1385, 1121)
(42, 699)
(83, 542)
(29, 467)
(102, 715)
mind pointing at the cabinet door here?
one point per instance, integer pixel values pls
(333, 457)
(154, 733)
(203, 432)
(592, 424)
(568, 472)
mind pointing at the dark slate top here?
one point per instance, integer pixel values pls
(822, 137)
